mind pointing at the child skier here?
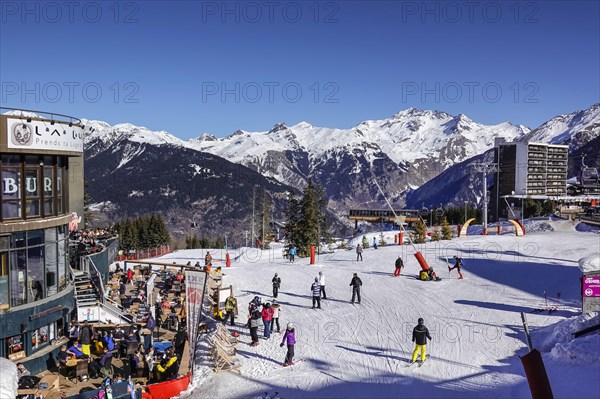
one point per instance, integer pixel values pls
(457, 266)
(290, 339)
(316, 293)
(276, 284)
(419, 336)
(276, 309)
(399, 266)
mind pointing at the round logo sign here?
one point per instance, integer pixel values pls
(589, 292)
(21, 134)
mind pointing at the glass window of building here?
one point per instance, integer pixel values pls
(3, 277)
(62, 257)
(40, 337)
(36, 263)
(18, 277)
(11, 187)
(14, 344)
(51, 259)
(32, 186)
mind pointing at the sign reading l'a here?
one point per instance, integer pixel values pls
(43, 135)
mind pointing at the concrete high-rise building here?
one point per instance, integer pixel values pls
(535, 170)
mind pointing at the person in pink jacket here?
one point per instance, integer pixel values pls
(267, 316)
(289, 338)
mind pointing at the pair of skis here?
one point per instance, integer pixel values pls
(550, 308)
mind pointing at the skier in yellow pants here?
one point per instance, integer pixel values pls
(420, 335)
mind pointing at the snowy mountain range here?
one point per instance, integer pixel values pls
(402, 152)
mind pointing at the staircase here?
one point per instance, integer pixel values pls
(86, 293)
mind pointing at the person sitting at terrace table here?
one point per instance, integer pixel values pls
(166, 304)
(109, 342)
(96, 365)
(165, 370)
(63, 355)
(75, 350)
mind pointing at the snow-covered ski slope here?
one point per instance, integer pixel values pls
(361, 351)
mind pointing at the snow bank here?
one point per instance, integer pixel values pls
(9, 382)
(559, 341)
(583, 227)
(589, 264)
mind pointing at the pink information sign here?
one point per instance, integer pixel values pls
(591, 286)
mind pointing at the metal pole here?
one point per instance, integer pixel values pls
(253, 195)
(529, 345)
(465, 211)
(484, 199)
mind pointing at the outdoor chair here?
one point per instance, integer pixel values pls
(81, 369)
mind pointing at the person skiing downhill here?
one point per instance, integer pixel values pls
(289, 338)
(292, 254)
(316, 293)
(419, 337)
(356, 283)
(399, 265)
(276, 284)
(457, 266)
(359, 251)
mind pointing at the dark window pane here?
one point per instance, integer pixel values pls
(48, 207)
(32, 207)
(17, 240)
(35, 237)
(11, 209)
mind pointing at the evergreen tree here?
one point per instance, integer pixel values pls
(219, 243)
(129, 236)
(419, 231)
(292, 224)
(141, 226)
(436, 235)
(154, 238)
(447, 232)
(309, 221)
(204, 243)
(163, 232)
(532, 208)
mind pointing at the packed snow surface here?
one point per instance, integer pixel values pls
(362, 351)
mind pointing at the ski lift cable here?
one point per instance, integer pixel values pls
(395, 215)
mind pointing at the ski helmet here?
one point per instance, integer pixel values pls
(290, 326)
(316, 279)
(420, 321)
(275, 274)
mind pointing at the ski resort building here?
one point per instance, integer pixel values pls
(525, 169)
(41, 171)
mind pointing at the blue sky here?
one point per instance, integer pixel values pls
(213, 67)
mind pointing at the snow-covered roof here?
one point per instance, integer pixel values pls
(590, 264)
